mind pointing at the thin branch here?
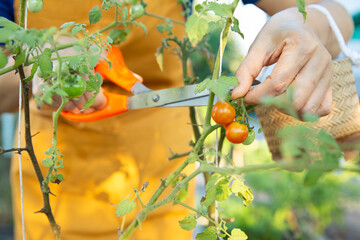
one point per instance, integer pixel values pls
(18, 150)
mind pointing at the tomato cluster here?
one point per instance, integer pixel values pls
(224, 113)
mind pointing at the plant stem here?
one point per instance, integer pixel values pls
(29, 145)
(140, 218)
(164, 18)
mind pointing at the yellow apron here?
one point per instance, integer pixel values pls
(105, 160)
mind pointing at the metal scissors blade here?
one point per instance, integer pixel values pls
(172, 97)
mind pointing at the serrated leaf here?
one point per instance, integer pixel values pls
(222, 86)
(213, 181)
(89, 102)
(60, 92)
(93, 61)
(235, 27)
(189, 222)
(159, 55)
(5, 34)
(301, 7)
(210, 197)
(237, 186)
(60, 177)
(246, 193)
(77, 29)
(196, 28)
(208, 234)
(20, 58)
(47, 162)
(223, 190)
(124, 207)
(67, 24)
(32, 73)
(221, 9)
(94, 15)
(109, 39)
(74, 62)
(45, 63)
(6, 23)
(237, 234)
(140, 24)
(312, 177)
(182, 195)
(202, 86)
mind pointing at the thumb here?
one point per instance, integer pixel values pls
(248, 70)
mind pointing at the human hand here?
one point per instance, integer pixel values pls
(303, 62)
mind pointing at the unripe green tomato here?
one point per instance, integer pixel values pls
(74, 85)
(250, 138)
(35, 6)
(137, 11)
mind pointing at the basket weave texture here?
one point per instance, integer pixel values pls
(343, 121)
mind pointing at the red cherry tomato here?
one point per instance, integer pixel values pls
(236, 132)
(223, 113)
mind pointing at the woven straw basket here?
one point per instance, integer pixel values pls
(343, 123)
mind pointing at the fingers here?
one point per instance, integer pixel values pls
(291, 60)
(76, 106)
(320, 95)
(249, 69)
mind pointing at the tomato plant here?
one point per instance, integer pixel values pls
(74, 85)
(223, 113)
(236, 132)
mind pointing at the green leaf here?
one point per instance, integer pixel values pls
(196, 28)
(6, 23)
(124, 207)
(202, 86)
(159, 55)
(140, 24)
(208, 234)
(237, 234)
(94, 15)
(221, 86)
(3, 59)
(313, 175)
(33, 71)
(67, 24)
(183, 195)
(189, 222)
(47, 162)
(77, 29)
(45, 63)
(301, 7)
(210, 197)
(235, 27)
(5, 34)
(221, 9)
(109, 39)
(223, 190)
(246, 193)
(74, 62)
(213, 181)
(93, 61)
(237, 186)
(20, 58)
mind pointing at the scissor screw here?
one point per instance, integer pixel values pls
(156, 98)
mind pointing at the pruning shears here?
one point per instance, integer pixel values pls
(143, 97)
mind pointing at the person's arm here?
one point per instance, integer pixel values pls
(303, 51)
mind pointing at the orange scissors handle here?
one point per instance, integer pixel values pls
(116, 104)
(119, 74)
